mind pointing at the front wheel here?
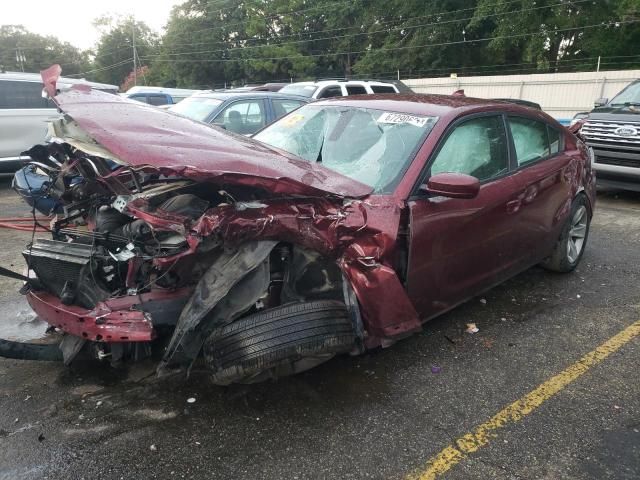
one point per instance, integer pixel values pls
(570, 246)
(280, 341)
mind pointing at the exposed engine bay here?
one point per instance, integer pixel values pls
(127, 248)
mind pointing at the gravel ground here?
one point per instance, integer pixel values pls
(381, 415)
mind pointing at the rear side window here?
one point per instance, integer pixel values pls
(530, 138)
(16, 94)
(554, 140)
(329, 92)
(356, 90)
(382, 89)
(283, 106)
(477, 147)
(157, 100)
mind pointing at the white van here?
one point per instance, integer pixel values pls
(24, 114)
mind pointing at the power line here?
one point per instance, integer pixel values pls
(108, 67)
(450, 12)
(399, 27)
(393, 49)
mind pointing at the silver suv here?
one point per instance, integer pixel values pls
(24, 114)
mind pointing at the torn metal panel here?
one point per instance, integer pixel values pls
(217, 282)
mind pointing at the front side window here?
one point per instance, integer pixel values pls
(17, 94)
(329, 92)
(245, 117)
(374, 147)
(530, 139)
(197, 108)
(477, 147)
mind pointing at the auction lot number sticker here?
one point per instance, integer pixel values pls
(389, 117)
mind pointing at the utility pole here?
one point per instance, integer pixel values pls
(20, 58)
(133, 43)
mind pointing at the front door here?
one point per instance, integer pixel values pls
(459, 247)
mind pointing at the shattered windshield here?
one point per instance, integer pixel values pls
(373, 147)
(629, 96)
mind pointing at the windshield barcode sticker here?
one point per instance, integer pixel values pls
(389, 117)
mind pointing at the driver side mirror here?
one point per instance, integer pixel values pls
(601, 102)
(452, 185)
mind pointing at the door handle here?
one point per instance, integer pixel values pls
(513, 206)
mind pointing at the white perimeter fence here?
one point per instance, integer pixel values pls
(561, 95)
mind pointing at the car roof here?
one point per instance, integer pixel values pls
(340, 80)
(430, 104)
(248, 94)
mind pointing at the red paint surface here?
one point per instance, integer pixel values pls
(456, 247)
(112, 321)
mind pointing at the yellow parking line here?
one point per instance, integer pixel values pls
(473, 441)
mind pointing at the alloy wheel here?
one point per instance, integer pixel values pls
(577, 234)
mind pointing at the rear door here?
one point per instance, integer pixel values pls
(459, 247)
(544, 174)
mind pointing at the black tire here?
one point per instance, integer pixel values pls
(279, 341)
(560, 259)
(48, 352)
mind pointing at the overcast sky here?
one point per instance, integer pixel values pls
(71, 20)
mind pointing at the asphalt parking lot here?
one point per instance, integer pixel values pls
(430, 404)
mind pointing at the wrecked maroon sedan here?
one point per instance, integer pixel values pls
(341, 227)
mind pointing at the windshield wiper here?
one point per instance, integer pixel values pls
(626, 104)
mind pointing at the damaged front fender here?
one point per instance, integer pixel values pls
(228, 288)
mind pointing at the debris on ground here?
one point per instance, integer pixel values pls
(153, 448)
(436, 369)
(471, 328)
(41, 437)
(191, 400)
(483, 301)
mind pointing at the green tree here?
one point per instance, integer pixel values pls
(114, 52)
(21, 50)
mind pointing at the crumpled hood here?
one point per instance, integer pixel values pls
(137, 134)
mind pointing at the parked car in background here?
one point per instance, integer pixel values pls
(519, 101)
(612, 129)
(239, 112)
(266, 87)
(577, 117)
(24, 113)
(339, 228)
(339, 88)
(159, 95)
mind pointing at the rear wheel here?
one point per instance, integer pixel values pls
(568, 251)
(280, 341)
